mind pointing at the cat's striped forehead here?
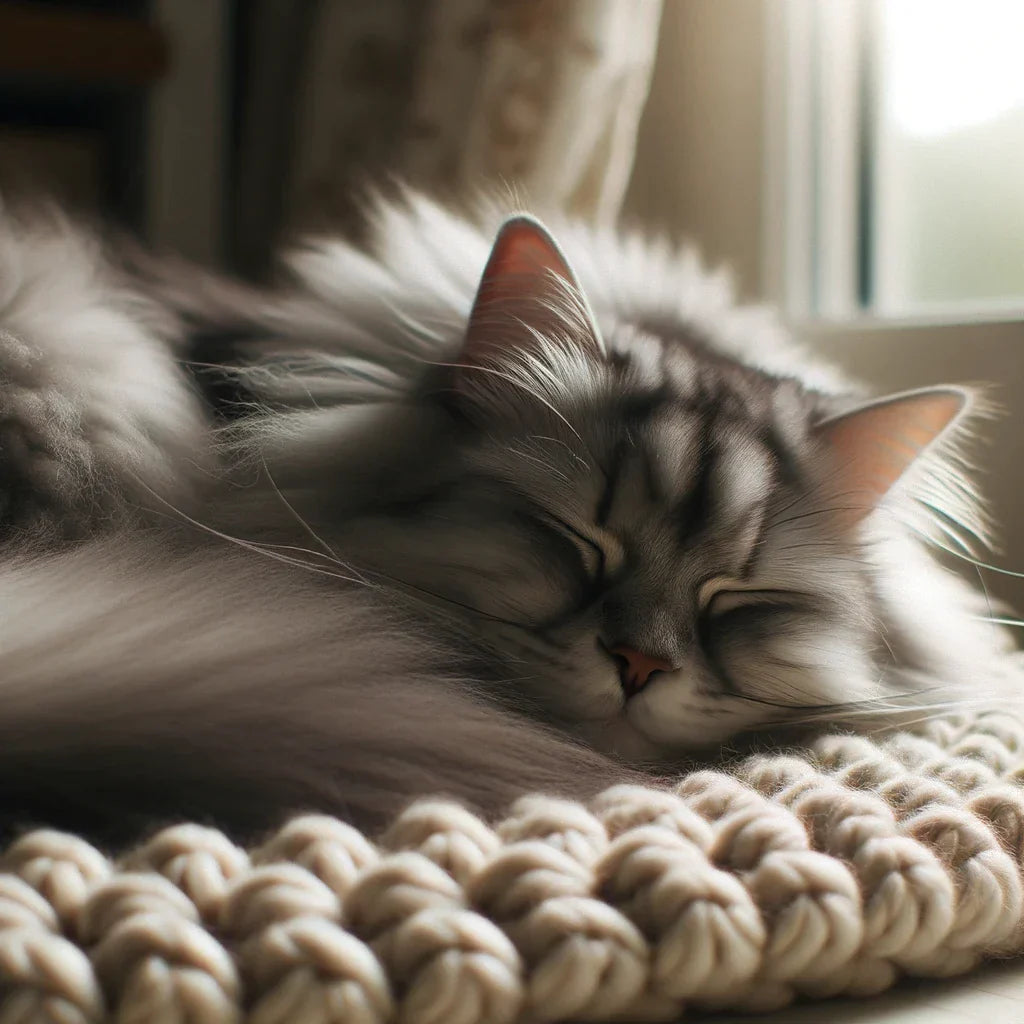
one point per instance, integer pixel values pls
(693, 431)
(660, 423)
(694, 464)
(678, 454)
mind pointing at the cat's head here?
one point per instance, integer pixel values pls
(663, 546)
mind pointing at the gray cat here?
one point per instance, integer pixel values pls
(444, 516)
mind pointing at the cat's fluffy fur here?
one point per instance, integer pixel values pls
(339, 600)
(94, 411)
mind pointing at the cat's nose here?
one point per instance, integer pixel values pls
(636, 668)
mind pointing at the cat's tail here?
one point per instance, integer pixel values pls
(138, 688)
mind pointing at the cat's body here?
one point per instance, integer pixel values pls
(542, 552)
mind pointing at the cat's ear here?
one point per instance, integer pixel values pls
(528, 293)
(877, 443)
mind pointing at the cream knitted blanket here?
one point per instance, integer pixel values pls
(834, 872)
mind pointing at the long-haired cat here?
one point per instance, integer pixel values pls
(481, 513)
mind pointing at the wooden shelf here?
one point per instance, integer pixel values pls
(77, 46)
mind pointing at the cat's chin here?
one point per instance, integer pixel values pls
(620, 738)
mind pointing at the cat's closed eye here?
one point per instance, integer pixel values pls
(593, 556)
(732, 620)
(727, 599)
(736, 622)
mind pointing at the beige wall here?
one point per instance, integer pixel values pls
(698, 164)
(699, 174)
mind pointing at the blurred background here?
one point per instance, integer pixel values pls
(859, 163)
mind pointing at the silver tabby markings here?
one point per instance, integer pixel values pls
(487, 517)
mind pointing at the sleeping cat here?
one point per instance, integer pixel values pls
(462, 512)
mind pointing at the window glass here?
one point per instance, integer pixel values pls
(944, 167)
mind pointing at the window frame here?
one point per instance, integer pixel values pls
(819, 251)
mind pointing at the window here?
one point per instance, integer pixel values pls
(896, 158)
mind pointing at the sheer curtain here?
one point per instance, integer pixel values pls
(543, 95)
(538, 97)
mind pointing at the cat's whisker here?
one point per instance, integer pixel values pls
(984, 590)
(979, 564)
(555, 440)
(249, 545)
(330, 552)
(267, 551)
(477, 612)
(870, 704)
(929, 715)
(867, 708)
(547, 466)
(894, 712)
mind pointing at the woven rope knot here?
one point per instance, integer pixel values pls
(835, 872)
(272, 893)
(47, 978)
(582, 956)
(121, 897)
(334, 852)
(706, 935)
(309, 968)
(60, 867)
(200, 861)
(159, 966)
(445, 833)
(446, 962)
(568, 826)
(623, 808)
(21, 906)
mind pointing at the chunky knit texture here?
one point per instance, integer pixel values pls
(830, 873)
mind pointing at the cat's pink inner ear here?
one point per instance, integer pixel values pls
(877, 443)
(526, 288)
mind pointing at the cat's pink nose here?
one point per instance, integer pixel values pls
(636, 668)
